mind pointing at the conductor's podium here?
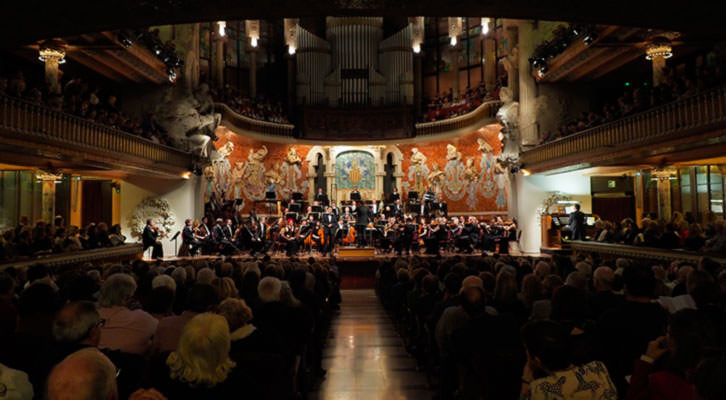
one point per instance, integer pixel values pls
(356, 252)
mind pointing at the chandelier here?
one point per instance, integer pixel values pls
(52, 50)
(659, 47)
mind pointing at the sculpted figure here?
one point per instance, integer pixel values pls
(292, 157)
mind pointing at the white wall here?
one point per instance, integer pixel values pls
(184, 196)
(532, 190)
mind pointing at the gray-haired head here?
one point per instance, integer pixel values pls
(74, 322)
(117, 290)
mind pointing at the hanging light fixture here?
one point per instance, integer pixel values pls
(291, 34)
(454, 30)
(221, 28)
(659, 47)
(417, 33)
(484, 25)
(52, 49)
(252, 28)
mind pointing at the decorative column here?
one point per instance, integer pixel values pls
(191, 61)
(511, 61)
(527, 89)
(454, 52)
(663, 189)
(252, 29)
(291, 25)
(48, 180)
(219, 59)
(417, 83)
(490, 61)
(52, 52)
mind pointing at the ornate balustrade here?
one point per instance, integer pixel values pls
(673, 121)
(486, 112)
(360, 124)
(123, 252)
(24, 124)
(642, 253)
(252, 125)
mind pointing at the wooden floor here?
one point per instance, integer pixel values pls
(365, 357)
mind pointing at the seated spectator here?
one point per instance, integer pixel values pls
(200, 299)
(127, 330)
(549, 368)
(201, 366)
(84, 375)
(680, 350)
(603, 298)
(625, 330)
(76, 326)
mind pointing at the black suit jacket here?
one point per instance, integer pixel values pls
(187, 235)
(218, 233)
(149, 236)
(362, 215)
(577, 224)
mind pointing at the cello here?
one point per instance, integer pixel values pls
(349, 238)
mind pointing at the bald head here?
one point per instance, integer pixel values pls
(84, 375)
(603, 278)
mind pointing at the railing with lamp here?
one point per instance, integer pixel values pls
(661, 123)
(21, 120)
(252, 125)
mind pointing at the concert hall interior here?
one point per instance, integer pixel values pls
(366, 199)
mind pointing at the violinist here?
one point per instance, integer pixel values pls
(389, 234)
(152, 238)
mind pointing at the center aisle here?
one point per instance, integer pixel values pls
(365, 357)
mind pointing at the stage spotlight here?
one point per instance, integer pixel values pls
(172, 75)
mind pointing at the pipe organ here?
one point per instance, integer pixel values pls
(354, 65)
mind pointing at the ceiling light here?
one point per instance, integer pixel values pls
(659, 47)
(416, 48)
(484, 26)
(221, 26)
(253, 41)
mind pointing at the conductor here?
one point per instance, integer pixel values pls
(361, 222)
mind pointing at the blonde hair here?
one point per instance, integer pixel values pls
(225, 287)
(236, 311)
(202, 358)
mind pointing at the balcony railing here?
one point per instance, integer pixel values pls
(252, 125)
(127, 251)
(662, 123)
(642, 253)
(21, 120)
(485, 111)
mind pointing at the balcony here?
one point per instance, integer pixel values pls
(691, 128)
(39, 132)
(390, 123)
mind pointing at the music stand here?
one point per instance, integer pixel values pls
(295, 207)
(317, 209)
(412, 196)
(291, 215)
(297, 196)
(270, 195)
(355, 196)
(176, 235)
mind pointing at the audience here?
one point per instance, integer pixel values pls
(444, 105)
(84, 375)
(25, 241)
(83, 100)
(260, 109)
(580, 340)
(679, 83)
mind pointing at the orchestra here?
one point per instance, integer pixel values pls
(391, 228)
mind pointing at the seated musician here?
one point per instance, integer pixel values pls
(389, 235)
(334, 208)
(317, 236)
(355, 194)
(189, 242)
(257, 241)
(203, 236)
(321, 197)
(398, 208)
(432, 241)
(340, 231)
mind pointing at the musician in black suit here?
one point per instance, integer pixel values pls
(190, 245)
(328, 223)
(322, 197)
(150, 239)
(429, 197)
(394, 196)
(398, 208)
(362, 217)
(577, 223)
(355, 194)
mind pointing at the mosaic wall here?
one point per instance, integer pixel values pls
(463, 170)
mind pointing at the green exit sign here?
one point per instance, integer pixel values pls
(611, 184)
